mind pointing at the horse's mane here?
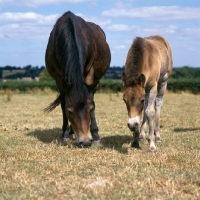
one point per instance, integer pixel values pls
(133, 62)
(69, 58)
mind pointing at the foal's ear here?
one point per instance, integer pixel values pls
(123, 78)
(142, 80)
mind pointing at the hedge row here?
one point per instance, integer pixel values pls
(190, 85)
(174, 85)
(23, 86)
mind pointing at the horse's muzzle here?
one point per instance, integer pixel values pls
(85, 144)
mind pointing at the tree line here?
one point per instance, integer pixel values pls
(13, 72)
(114, 72)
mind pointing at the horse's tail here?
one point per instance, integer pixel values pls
(53, 105)
(69, 49)
(169, 56)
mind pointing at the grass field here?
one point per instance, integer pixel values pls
(34, 166)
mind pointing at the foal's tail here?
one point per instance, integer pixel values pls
(53, 105)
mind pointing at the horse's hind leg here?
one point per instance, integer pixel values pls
(67, 131)
(158, 105)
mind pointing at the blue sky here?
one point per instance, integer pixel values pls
(25, 27)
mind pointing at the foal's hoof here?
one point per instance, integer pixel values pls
(158, 139)
(96, 142)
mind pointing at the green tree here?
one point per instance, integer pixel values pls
(186, 72)
(44, 76)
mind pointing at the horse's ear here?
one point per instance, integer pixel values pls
(92, 86)
(123, 78)
(142, 80)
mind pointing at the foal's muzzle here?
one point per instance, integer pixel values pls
(133, 127)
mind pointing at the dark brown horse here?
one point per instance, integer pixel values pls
(77, 56)
(147, 69)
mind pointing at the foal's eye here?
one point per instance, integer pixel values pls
(142, 100)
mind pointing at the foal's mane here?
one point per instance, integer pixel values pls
(134, 62)
(68, 53)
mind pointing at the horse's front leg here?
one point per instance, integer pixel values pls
(144, 124)
(150, 113)
(67, 130)
(94, 128)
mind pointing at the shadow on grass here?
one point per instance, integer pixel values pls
(185, 129)
(114, 142)
(46, 136)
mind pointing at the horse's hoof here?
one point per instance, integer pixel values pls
(96, 142)
(65, 141)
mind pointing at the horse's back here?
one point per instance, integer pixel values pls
(150, 56)
(162, 52)
(89, 43)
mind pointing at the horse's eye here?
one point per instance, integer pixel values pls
(70, 111)
(142, 100)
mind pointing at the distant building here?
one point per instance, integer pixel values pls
(26, 79)
(11, 72)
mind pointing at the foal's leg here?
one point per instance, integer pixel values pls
(94, 127)
(144, 124)
(150, 112)
(135, 142)
(158, 105)
(67, 131)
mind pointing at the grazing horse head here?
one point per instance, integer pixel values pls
(134, 97)
(78, 114)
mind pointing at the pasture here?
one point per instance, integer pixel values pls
(33, 164)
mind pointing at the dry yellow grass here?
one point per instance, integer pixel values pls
(34, 166)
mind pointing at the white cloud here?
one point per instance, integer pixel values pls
(9, 17)
(158, 29)
(26, 25)
(143, 30)
(120, 46)
(154, 13)
(35, 26)
(119, 27)
(97, 20)
(37, 3)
